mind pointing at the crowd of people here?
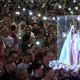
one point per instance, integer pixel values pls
(25, 52)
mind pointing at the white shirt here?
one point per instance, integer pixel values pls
(8, 41)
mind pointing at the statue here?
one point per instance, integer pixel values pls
(70, 53)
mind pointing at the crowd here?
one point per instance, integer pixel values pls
(25, 52)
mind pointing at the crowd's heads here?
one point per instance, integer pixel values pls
(38, 69)
(49, 73)
(5, 31)
(36, 26)
(7, 52)
(27, 29)
(6, 19)
(47, 56)
(13, 27)
(27, 57)
(10, 67)
(39, 56)
(22, 74)
(13, 56)
(26, 37)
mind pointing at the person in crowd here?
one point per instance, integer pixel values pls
(2, 48)
(35, 29)
(28, 39)
(38, 56)
(2, 72)
(47, 56)
(74, 75)
(6, 52)
(37, 72)
(21, 74)
(66, 75)
(26, 62)
(6, 19)
(13, 56)
(8, 40)
(14, 36)
(10, 69)
(21, 26)
(50, 74)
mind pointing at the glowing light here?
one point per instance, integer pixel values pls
(39, 15)
(24, 9)
(59, 6)
(78, 18)
(71, 12)
(69, 9)
(76, 8)
(17, 13)
(30, 13)
(53, 18)
(44, 18)
(74, 1)
(37, 43)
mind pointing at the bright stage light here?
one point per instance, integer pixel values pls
(17, 13)
(38, 43)
(78, 18)
(53, 18)
(69, 9)
(30, 13)
(44, 18)
(24, 9)
(74, 1)
(71, 12)
(39, 15)
(59, 6)
(76, 7)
